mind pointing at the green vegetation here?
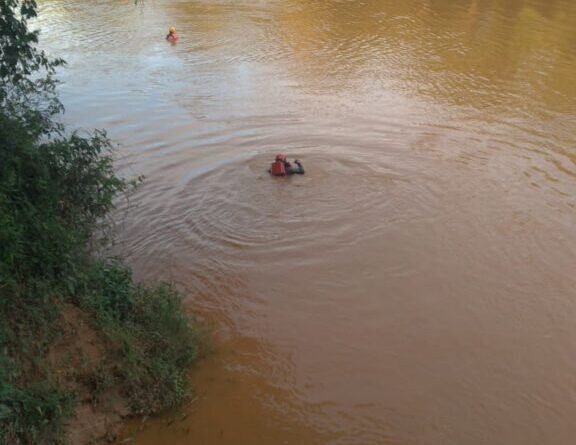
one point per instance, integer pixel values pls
(55, 192)
(151, 343)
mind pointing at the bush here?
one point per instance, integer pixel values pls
(33, 414)
(52, 195)
(152, 342)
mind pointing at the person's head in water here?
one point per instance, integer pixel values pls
(172, 36)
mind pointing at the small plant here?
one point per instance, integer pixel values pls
(33, 414)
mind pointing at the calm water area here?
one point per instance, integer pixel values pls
(418, 285)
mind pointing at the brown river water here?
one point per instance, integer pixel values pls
(418, 285)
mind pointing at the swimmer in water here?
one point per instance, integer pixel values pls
(172, 36)
(281, 167)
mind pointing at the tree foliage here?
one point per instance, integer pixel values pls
(27, 83)
(54, 186)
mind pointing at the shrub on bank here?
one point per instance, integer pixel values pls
(151, 341)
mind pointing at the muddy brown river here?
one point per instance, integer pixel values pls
(418, 285)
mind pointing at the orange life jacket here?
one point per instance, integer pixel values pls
(278, 169)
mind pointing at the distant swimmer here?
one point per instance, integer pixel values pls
(172, 37)
(281, 167)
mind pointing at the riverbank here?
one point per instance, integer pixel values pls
(113, 372)
(86, 348)
(82, 345)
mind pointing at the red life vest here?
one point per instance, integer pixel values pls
(278, 169)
